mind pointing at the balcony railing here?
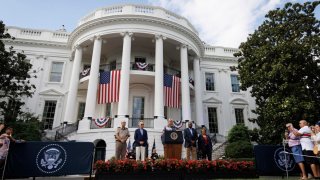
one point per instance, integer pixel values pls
(142, 67)
(172, 71)
(109, 124)
(133, 66)
(148, 122)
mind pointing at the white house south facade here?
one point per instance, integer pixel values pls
(143, 44)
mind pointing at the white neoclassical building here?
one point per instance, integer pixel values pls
(144, 43)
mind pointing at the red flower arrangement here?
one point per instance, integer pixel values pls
(170, 165)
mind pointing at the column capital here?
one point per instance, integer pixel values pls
(183, 45)
(77, 47)
(96, 37)
(127, 33)
(160, 36)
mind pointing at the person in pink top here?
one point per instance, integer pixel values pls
(5, 138)
(294, 144)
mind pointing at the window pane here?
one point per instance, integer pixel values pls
(209, 81)
(48, 114)
(213, 120)
(235, 84)
(138, 111)
(239, 116)
(56, 71)
(81, 111)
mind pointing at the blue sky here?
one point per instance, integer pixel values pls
(221, 23)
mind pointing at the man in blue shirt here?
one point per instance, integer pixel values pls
(141, 141)
(190, 138)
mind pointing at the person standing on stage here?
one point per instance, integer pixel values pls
(294, 144)
(205, 145)
(190, 139)
(121, 136)
(140, 139)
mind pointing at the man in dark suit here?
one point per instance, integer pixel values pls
(190, 138)
(141, 141)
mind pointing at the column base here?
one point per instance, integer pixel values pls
(160, 123)
(84, 124)
(118, 119)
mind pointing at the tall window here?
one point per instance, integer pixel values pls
(209, 81)
(56, 71)
(235, 84)
(48, 114)
(239, 116)
(213, 120)
(138, 111)
(81, 110)
(113, 65)
(108, 109)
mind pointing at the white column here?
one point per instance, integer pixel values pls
(198, 92)
(160, 122)
(185, 91)
(73, 87)
(91, 99)
(124, 79)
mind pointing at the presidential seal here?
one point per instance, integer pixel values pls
(283, 160)
(51, 158)
(174, 136)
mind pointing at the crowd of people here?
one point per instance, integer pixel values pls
(302, 143)
(197, 146)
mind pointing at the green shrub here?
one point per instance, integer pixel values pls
(239, 132)
(239, 149)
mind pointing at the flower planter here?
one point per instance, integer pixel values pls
(174, 169)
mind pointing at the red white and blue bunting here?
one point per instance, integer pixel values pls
(101, 122)
(142, 65)
(85, 72)
(178, 124)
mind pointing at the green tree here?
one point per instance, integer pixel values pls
(278, 63)
(14, 79)
(28, 127)
(239, 142)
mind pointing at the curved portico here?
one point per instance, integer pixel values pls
(100, 43)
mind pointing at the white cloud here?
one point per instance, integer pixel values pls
(222, 23)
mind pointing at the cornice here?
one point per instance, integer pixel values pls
(37, 43)
(219, 58)
(133, 19)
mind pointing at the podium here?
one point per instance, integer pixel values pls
(172, 144)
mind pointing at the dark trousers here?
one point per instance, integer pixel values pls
(207, 154)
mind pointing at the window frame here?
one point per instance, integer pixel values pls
(239, 121)
(205, 81)
(62, 72)
(43, 119)
(233, 75)
(216, 129)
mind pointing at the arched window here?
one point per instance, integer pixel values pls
(100, 151)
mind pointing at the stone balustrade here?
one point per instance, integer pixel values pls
(219, 51)
(143, 10)
(42, 35)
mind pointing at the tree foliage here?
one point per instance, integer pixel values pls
(14, 79)
(15, 85)
(239, 142)
(279, 65)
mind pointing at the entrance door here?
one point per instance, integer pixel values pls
(137, 110)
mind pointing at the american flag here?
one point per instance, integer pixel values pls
(109, 86)
(171, 91)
